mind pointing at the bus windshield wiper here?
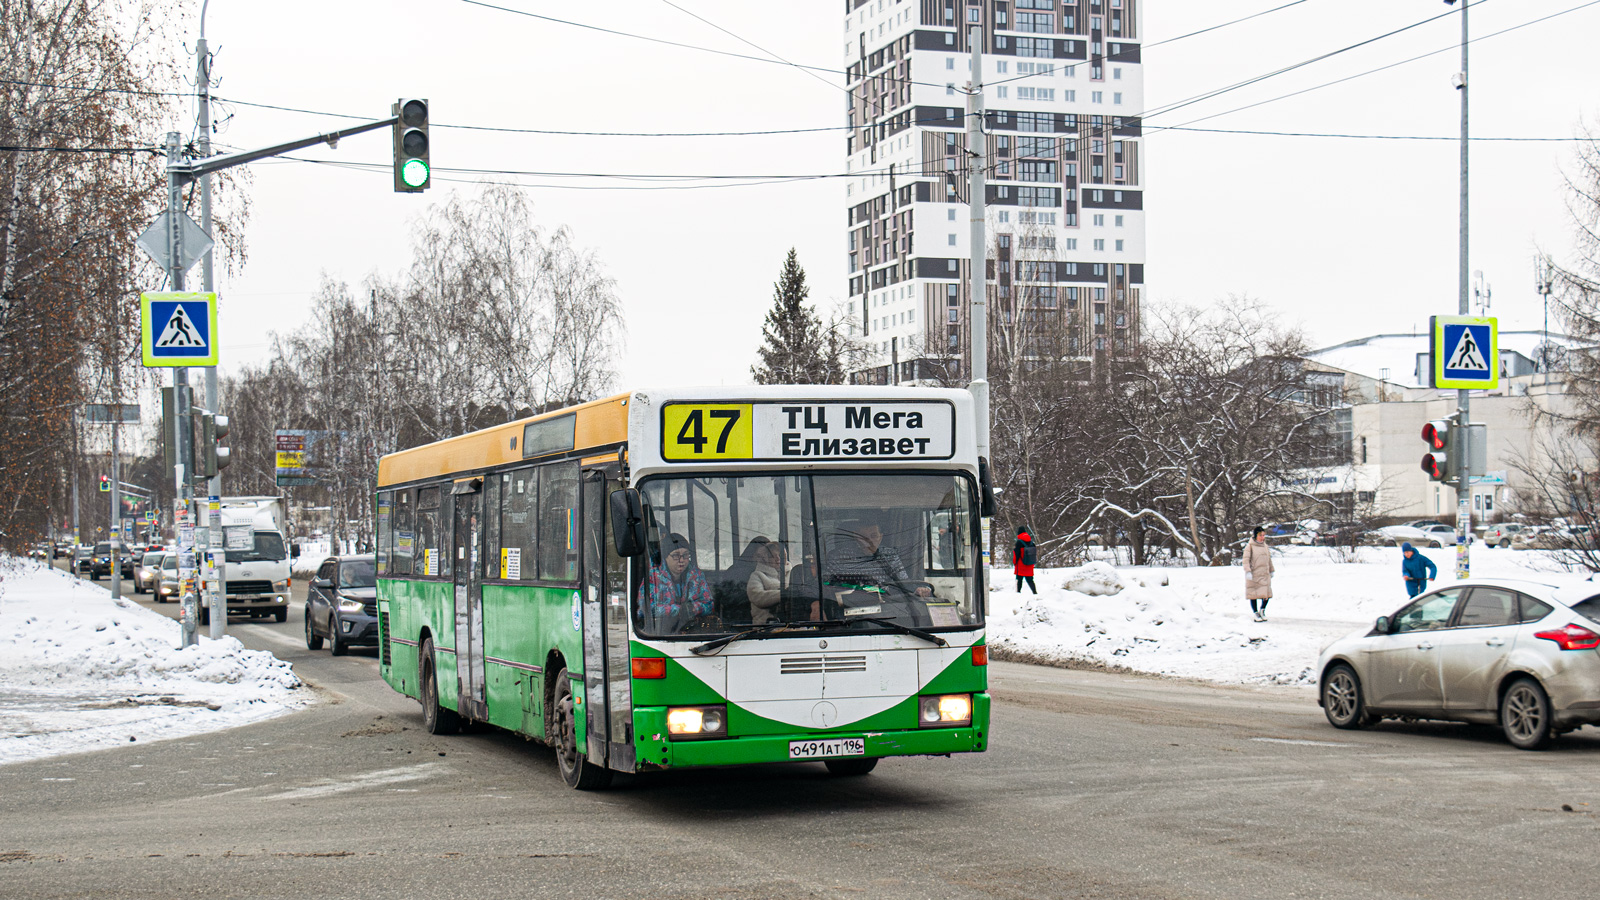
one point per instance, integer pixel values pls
(710, 647)
(892, 625)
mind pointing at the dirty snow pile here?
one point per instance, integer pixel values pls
(1195, 622)
(81, 670)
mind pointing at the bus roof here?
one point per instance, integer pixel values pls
(598, 423)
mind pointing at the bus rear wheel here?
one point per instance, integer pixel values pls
(435, 718)
(846, 767)
(575, 768)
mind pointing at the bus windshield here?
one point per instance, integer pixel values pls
(730, 553)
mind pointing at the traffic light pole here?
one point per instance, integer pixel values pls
(1463, 398)
(116, 508)
(184, 427)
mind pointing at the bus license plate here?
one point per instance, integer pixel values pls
(820, 749)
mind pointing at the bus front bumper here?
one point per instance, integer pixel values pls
(657, 751)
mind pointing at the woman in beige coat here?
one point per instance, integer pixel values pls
(1258, 573)
(765, 586)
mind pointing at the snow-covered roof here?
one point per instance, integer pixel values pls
(1369, 356)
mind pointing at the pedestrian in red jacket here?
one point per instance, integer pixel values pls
(1023, 556)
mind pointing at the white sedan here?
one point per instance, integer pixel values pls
(1517, 654)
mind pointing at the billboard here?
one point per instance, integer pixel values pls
(304, 457)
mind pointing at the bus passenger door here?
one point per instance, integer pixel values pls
(469, 599)
(606, 663)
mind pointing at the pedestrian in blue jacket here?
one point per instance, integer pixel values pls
(1417, 569)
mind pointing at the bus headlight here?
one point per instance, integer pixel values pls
(693, 722)
(945, 711)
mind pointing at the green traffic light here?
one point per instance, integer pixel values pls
(414, 173)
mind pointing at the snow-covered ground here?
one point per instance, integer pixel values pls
(1195, 622)
(80, 670)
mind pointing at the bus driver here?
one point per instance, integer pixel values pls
(860, 552)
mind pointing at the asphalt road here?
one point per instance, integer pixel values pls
(1096, 785)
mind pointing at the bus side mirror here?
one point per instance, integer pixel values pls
(986, 503)
(627, 522)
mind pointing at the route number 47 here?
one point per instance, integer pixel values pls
(707, 431)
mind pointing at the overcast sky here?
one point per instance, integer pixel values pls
(1347, 237)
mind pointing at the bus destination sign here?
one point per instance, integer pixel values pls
(797, 430)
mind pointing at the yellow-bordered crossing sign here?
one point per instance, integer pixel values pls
(178, 328)
(1464, 352)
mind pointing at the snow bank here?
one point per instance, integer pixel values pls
(80, 670)
(1195, 622)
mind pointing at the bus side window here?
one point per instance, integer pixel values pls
(405, 536)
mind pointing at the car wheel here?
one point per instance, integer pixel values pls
(435, 718)
(335, 646)
(1525, 715)
(313, 640)
(281, 615)
(1435, 545)
(1505, 545)
(1342, 701)
(846, 767)
(576, 770)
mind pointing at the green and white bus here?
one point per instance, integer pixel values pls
(697, 577)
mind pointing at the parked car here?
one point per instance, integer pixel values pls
(342, 604)
(1516, 654)
(1575, 537)
(147, 574)
(1399, 534)
(1437, 535)
(1342, 534)
(1503, 534)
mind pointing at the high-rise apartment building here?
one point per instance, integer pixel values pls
(1063, 91)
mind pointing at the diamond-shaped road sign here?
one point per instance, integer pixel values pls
(156, 242)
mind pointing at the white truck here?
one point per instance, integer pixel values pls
(258, 557)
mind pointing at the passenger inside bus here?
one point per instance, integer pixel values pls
(733, 598)
(675, 591)
(765, 584)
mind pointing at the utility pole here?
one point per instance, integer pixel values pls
(1463, 397)
(183, 472)
(217, 590)
(116, 500)
(977, 157)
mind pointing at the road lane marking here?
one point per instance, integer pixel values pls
(359, 782)
(1302, 743)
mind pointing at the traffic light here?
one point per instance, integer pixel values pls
(1440, 438)
(105, 483)
(411, 169)
(213, 428)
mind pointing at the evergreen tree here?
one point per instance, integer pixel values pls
(795, 346)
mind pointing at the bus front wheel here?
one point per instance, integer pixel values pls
(435, 718)
(576, 770)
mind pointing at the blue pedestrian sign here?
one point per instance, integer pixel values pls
(1465, 352)
(179, 329)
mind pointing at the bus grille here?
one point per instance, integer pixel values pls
(383, 639)
(816, 665)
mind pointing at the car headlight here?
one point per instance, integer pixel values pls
(696, 722)
(348, 605)
(280, 585)
(945, 710)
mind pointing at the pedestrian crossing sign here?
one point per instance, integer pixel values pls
(178, 329)
(1465, 352)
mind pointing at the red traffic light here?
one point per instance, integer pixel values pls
(1433, 464)
(1436, 433)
